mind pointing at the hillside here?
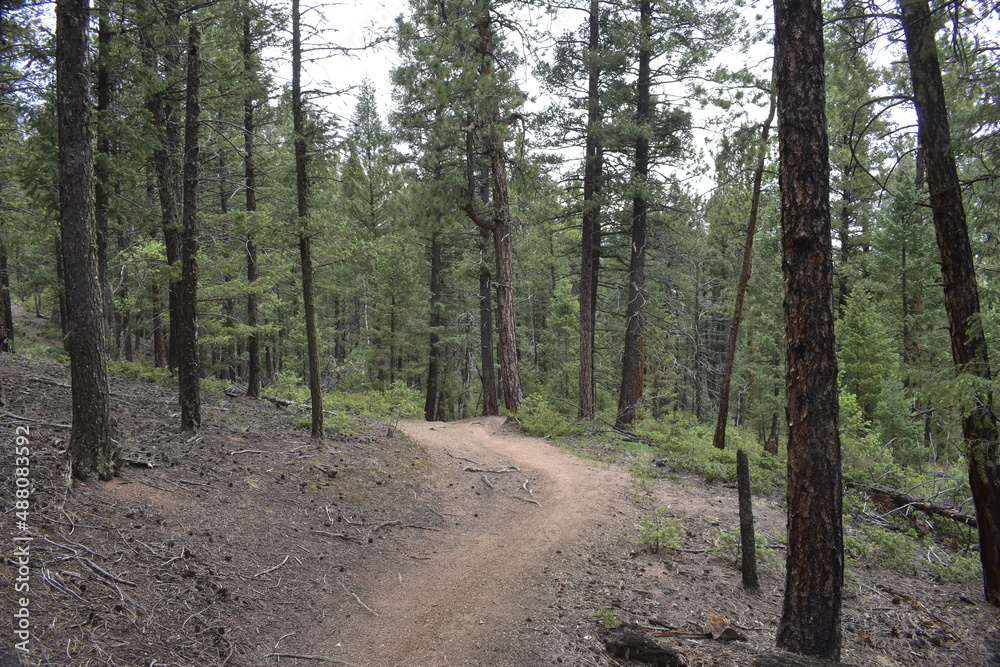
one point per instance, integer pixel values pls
(463, 543)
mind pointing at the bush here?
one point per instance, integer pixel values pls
(659, 529)
(140, 371)
(727, 544)
(539, 418)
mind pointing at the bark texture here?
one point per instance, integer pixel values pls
(631, 386)
(961, 295)
(591, 237)
(189, 367)
(433, 364)
(91, 449)
(810, 621)
(250, 182)
(500, 226)
(305, 240)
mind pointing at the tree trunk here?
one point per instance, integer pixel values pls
(6, 307)
(163, 108)
(961, 295)
(305, 240)
(593, 172)
(503, 242)
(102, 167)
(719, 439)
(250, 183)
(189, 375)
(748, 539)
(433, 364)
(91, 449)
(631, 386)
(810, 621)
(491, 403)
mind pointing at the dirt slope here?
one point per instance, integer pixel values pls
(248, 545)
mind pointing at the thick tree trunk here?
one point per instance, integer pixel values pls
(590, 245)
(189, 375)
(719, 439)
(810, 621)
(91, 449)
(500, 226)
(433, 363)
(305, 240)
(631, 386)
(102, 167)
(961, 295)
(491, 403)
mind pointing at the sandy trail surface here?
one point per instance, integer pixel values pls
(467, 595)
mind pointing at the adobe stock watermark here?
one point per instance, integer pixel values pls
(20, 557)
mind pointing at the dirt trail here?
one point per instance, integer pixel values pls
(468, 598)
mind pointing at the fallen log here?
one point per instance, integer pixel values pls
(903, 500)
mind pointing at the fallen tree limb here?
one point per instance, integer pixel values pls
(905, 500)
(495, 471)
(34, 421)
(304, 656)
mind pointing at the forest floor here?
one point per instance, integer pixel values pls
(463, 543)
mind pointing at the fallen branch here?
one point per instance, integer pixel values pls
(488, 482)
(271, 569)
(304, 656)
(904, 500)
(355, 596)
(35, 421)
(529, 500)
(285, 403)
(496, 471)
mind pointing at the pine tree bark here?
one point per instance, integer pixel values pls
(102, 168)
(91, 449)
(590, 245)
(433, 361)
(250, 183)
(491, 402)
(500, 226)
(189, 367)
(961, 295)
(162, 106)
(305, 239)
(810, 621)
(6, 306)
(631, 385)
(719, 439)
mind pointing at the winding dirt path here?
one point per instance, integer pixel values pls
(470, 592)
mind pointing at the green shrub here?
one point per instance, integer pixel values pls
(606, 618)
(876, 546)
(727, 544)
(541, 419)
(956, 567)
(140, 371)
(660, 530)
